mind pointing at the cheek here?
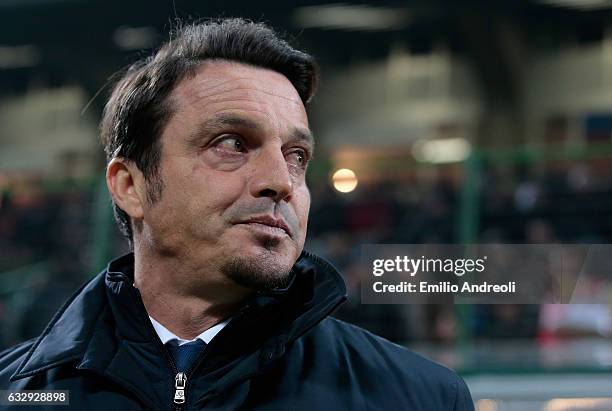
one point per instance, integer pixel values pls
(211, 193)
(192, 201)
(302, 205)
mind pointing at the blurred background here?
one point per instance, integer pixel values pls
(436, 122)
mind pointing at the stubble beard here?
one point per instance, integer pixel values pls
(263, 272)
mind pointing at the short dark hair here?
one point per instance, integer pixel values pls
(138, 108)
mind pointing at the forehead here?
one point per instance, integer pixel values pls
(222, 86)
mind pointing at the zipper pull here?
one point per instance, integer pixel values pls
(179, 388)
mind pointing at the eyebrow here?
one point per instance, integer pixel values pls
(303, 134)
(220, 121)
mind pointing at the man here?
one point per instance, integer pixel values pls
(218, 307)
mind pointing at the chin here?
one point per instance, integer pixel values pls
(263, 270)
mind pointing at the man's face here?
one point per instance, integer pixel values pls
(234, 205)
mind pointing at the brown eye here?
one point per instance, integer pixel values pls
(297, 158)
(231, 143)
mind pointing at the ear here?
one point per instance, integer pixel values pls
(126, 184)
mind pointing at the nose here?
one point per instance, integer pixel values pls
(270, 175)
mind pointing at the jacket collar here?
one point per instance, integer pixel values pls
(97, 322)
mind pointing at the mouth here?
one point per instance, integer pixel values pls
(268, 225)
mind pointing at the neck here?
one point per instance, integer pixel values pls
(184, 299)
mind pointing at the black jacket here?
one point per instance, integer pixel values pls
(281, 352)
